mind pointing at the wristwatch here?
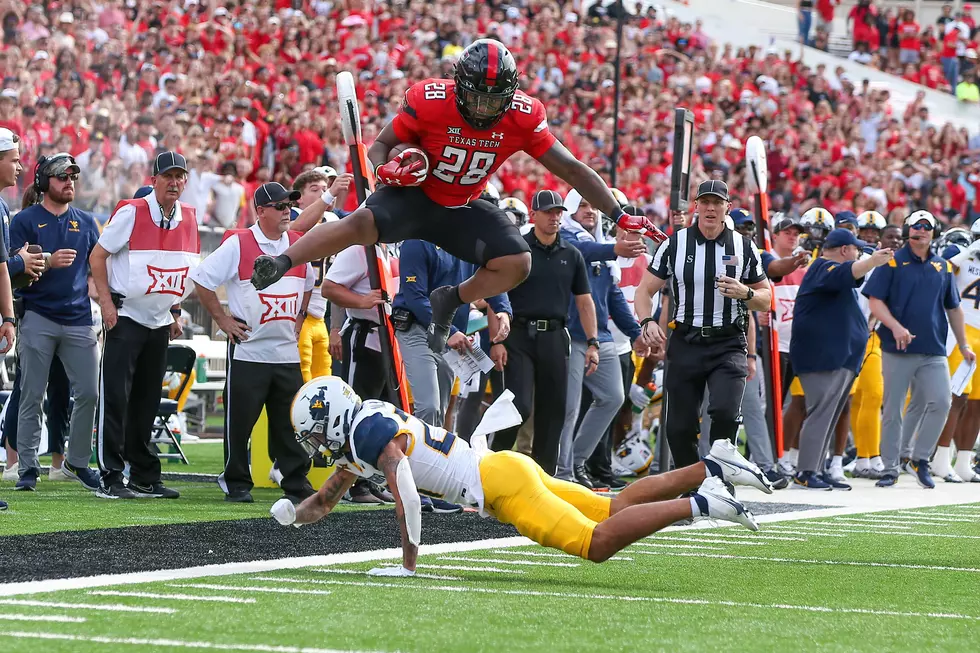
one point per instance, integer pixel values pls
(750, 295)
(593, 342)
(10, 320)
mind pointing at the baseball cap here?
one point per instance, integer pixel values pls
(6, 140)
(846, 217)
(168, 161)
(741, 216)
(841, 237)
(327, 170)
(787, 223)
(545, 200)
(273, 193)
(714, 187)
(142, 191)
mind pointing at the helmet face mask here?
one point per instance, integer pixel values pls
(322, 415)
(486, 80)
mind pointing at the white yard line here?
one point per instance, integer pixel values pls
(529, 563)
(60, 618)
(789, 531)
(911, 513)
(862, 529)
(172, 597)
(103, 607)
(886, 524)
(331, 570)
(651, 599)
(548, 555)
(171, 643)
(247, 588)
(934, 517)
(703, 539)
(738, 537)
(849, 563)
(702, 547)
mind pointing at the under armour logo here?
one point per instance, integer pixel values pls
(279, 307)
(455, 131)
(167, 281)
(497, 136)
(564, 262)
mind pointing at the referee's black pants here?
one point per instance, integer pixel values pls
(537, 365)
(134, 362)
(693, 363)
(249, 387)
(365, 369)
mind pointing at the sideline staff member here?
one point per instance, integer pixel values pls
(716, 276)
(912, 297)
(830, 335)
(151, 244)
(535, 355)
(263, 358)
(57, 319)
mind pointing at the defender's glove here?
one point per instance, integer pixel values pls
(266, 270)
(400, 171)
(391, 572)
(284, 512)
(638, 223)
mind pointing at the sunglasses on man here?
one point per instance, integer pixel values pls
(279, 206)
(65, 176)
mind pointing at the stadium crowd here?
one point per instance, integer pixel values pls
(245, 93)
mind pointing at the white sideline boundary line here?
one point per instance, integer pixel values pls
(171, 643)
(615, 597)
(260, 566)
(172, 597)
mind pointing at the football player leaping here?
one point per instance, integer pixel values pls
(465, 127)
(375, 440)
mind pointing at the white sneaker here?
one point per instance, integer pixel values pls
(944, 472)
(837, 474)
(735, 469)
(58, 474)
(10, 473)
(786, 468)
(716, 502)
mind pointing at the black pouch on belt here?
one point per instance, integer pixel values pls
(402, 319)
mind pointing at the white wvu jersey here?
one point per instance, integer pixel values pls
(968, 283)
(444, 466)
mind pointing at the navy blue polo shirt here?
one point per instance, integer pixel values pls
(59, 295)
(918, 293)
(829, 329)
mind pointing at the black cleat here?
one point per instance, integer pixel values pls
(269, 269)
(153, 491)
(444, 301)
(240, 496)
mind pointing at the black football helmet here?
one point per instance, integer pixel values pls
(486, 79)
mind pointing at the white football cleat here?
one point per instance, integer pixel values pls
(735, 469)
(58, 474)
(716, 502)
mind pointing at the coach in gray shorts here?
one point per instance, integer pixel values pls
(913, 297)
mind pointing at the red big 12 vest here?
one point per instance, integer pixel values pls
(159, 262)
(271, 312)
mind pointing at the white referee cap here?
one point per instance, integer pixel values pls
(7, 142)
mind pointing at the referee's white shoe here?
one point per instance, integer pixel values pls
(714, 501)
(725, 462)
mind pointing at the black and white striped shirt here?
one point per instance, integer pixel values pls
(691, 262)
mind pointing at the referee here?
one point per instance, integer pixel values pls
(536, 355)
(716, 277)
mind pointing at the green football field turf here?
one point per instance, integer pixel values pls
(876, 582)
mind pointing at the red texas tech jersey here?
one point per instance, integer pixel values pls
(462, 158)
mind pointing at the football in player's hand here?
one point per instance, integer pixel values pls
(407, 166)
(401, 147)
